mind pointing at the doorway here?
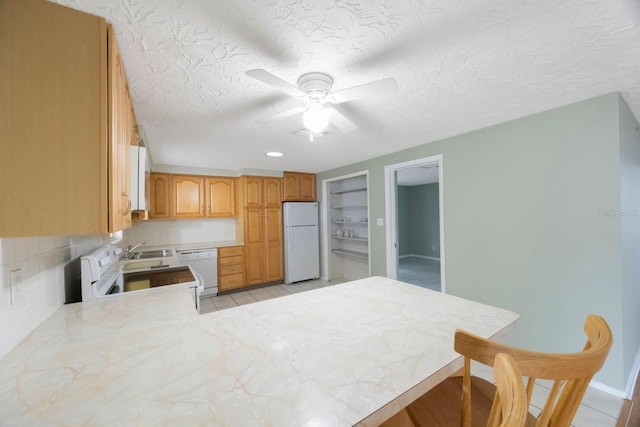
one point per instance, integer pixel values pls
(415, 238)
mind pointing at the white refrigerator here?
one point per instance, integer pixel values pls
(301, 241)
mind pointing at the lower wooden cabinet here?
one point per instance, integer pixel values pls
(231, 268)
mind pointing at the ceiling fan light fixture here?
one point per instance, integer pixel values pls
(315, 118)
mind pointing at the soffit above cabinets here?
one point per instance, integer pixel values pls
(459, 65)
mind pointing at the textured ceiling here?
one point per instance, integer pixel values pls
(460, 65)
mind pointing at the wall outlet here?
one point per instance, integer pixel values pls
(380, 222)
(15, 277)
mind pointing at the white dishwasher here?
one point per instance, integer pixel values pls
(205, 263)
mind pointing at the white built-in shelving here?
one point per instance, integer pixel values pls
(349, 226)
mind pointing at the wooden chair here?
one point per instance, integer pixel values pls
(570, 373)
(509, 407)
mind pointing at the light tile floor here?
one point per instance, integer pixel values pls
(209, 304)
(597, 409)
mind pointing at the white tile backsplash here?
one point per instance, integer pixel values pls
(49, 275)
(159, 232)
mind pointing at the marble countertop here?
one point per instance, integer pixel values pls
(347, 354)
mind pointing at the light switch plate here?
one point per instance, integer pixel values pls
(380, 222)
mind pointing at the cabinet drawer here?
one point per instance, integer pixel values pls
(231, 281)
(231, 269)
(230, 251)
(232, 260)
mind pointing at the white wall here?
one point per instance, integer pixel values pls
(158, 232)
(50, 276)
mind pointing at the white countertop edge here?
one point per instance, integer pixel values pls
(393, 407)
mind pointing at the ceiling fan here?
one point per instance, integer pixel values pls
(314, 91)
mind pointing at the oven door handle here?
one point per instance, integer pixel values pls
(199, 289)
(200, 280)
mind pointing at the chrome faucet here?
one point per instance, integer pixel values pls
(130, 249)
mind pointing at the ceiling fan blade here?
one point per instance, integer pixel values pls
(339, 120)
(282, 114)
(367, 90)
(276, 82)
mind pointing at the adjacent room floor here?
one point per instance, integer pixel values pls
(420, 271)
(597, 409)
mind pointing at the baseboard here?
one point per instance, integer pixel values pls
(633, 376)
(608, 389)
(627, 393)
(419, 256)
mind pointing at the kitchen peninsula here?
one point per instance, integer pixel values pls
(353, 353)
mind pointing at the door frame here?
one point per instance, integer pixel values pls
(325, 208)
(390, 191)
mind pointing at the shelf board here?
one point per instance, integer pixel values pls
(350, 253)
(359, 239)
(355, 190)
(349, 207)
(351, 222)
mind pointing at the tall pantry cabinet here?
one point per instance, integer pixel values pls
(67, 123)
(259, 225)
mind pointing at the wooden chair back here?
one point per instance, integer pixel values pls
(510, 407)
(570, 373)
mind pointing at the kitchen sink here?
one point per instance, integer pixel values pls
(156, 253)
(142, 264)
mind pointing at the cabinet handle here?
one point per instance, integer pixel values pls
(126, 196)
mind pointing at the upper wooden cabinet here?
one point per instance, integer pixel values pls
(159, 195)
(66, 114)
(307, 187)
(187, 196)
(253, 187)
(122, 131)
(299, 187)
(221, 197)
(272, 192)
(192, 196)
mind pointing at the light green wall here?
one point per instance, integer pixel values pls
(521, 224)
(630, 233)
(418, 220)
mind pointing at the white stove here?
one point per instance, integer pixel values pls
(103, 277)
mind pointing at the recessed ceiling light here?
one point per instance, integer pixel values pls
(274, 154)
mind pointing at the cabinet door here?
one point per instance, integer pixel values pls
(221, 197)
(272, 191)
(291, 187)
(254, 253)
(187, 193)
(253, 192)
(159, 195)
(307, 187)
(53, 121)
(120, 135)
(273, 245)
